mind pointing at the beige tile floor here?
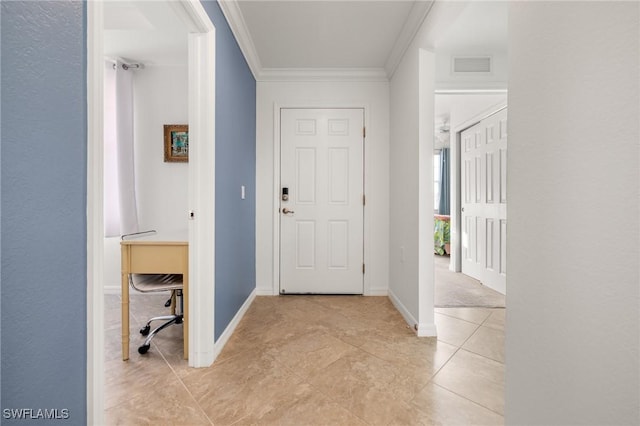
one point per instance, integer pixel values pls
(313, 360)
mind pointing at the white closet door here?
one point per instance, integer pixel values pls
(484, 201)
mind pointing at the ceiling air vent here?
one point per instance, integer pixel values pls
(471, 64)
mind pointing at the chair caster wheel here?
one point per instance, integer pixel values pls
(143, 349)
(145, 330)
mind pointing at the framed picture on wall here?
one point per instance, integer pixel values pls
(176, 143)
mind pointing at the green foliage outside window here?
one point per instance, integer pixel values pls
(440, 235)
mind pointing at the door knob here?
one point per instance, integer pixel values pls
(287, 211)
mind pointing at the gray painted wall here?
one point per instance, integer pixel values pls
(235, 166)
(573, 325)
(43, 202)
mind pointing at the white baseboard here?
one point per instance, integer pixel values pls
(265, 292)
(427, 330)
(422, 330)
(377, 292)
(228, 332)
(403, 310)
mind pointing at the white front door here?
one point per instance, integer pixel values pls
(484, 201)
(321, 201)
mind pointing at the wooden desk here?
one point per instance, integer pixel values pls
(156, 254)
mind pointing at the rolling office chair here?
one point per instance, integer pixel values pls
(149, 283)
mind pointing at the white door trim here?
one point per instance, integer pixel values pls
(276, 187)
(202, 127)
(95, 216)
(201, 197)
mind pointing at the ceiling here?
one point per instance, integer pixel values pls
(146, 32)
(480, 27)
(311, 35)
(329, 34)
(357, 34)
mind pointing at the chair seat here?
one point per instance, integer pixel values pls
(147, 283)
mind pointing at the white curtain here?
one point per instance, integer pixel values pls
(120, 209)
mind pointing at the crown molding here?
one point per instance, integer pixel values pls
(240, 30)
(322, 74)
(418, 14)
(233, 14)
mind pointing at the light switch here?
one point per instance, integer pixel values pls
(242, 192)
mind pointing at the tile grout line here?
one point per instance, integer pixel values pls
(460, 348)
(329, 397)
(318, 390)
(476, 353)
(173, 371)
(487, 319)
(462, 319)
(467, 399)
(449, 359)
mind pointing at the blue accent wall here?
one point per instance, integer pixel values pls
(43, 204)
(235, 166)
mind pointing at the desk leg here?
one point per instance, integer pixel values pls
(125, 317)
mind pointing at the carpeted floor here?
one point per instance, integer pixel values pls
(458, 290)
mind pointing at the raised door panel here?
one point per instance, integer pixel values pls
(484, 200)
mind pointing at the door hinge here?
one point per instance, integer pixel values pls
(363, 269)
(364, 132)
(364, 199)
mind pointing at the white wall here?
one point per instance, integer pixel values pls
(374, 97)
(411, 280)
(160, 97)
(573, 325)
(404, 169)
(412, 88)
(425, 67)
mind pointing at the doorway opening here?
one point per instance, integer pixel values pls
(470, 83)
(457, 115)
(199, 36)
